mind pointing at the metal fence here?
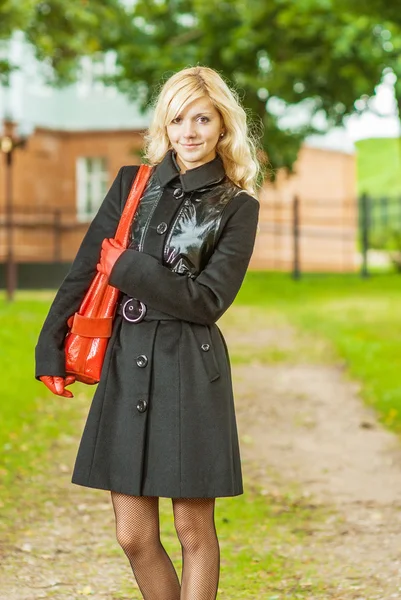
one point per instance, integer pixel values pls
(297, 235)
(40, 234)
(302, 235)
(380, 228)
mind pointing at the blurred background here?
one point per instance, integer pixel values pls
(321, 83)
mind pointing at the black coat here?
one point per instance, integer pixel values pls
(162, 420)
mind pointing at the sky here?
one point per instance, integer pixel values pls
(367, 125)
(384, 103)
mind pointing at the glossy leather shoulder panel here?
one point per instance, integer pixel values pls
(191, 236)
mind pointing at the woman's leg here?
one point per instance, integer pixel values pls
(138, 533)
(194, 523)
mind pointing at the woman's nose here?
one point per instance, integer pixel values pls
(189, 129)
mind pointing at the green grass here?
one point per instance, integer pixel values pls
(31, 416)
(361, 318)
(379, 166)
(257, 535)
(262, 534)
(258, 531)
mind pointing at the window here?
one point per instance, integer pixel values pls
(92, 185)
(91, 71)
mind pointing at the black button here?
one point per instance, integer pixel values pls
(178, 193)
(142, 405)
(205, 347)
(141, 360)
(162, 227)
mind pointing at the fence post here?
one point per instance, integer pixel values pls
(399, 212)
(384, 211)
(364, 232)
(296, 271)
(57, 235)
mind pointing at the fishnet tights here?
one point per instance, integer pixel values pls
(138, 533)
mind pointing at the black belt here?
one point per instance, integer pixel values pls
(140, 312)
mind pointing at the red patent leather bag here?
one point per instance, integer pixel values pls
(90, 328)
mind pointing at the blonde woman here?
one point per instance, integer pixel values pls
(162, 421)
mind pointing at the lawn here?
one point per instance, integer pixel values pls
(256, 530)
(360, 319)
(379, 166)
(31, 416)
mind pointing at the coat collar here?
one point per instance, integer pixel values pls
(193, 179)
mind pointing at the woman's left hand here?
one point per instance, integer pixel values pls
(111, 251)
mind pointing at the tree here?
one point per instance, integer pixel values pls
(12, 16)
(386, 19)
(279, 54)
(62, 32)
(316, 57)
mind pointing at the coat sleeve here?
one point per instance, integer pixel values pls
(205, 298)
(49, 351)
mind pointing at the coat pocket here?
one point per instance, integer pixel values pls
(207, 351)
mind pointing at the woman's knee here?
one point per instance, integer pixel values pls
(130, 540)
(194, 525)
(137, 522)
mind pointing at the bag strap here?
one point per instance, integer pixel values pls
(127, 216)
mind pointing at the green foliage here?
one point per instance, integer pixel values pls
(278, 54)
(14, 14)
(62, 33)
(378, 9)
(319, 55)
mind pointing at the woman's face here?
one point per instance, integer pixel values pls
(194, 133)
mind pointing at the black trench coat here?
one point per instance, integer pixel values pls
(162, 420)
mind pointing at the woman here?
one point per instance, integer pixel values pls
(162, 421)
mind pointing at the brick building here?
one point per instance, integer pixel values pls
(59, 180)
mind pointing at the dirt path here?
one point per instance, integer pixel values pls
(299, 423)
(305, 423)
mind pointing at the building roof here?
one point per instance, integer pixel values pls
(86, 105)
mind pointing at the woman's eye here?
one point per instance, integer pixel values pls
(202, 120)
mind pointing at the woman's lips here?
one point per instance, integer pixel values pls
(190, 145)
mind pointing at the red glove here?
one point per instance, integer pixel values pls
(111, 251)
(57, 384)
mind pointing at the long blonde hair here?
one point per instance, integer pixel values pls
(238, 148)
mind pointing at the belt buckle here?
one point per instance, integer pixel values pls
(128, 317)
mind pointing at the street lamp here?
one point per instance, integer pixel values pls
(8, 143)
